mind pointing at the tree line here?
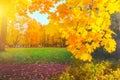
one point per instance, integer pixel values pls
(33, 34)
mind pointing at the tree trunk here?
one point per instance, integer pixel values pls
(3, 33)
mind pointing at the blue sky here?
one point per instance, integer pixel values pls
(43, 18)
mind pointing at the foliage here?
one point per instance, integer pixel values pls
(34, 29)
(66, 76)
(86, 25)
(21, 34)
(104, 70)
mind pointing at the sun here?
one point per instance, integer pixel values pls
(5, 6)
(1, 11)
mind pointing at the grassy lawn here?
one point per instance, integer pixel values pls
(43, 55)
(35, 55)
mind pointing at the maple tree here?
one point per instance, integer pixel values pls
(87, 26)
(32, 34)
(54, 35)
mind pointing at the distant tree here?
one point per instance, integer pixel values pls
(32, 33)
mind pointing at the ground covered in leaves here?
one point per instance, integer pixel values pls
(30, 71)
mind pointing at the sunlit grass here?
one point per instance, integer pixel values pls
(35, 55)
(43, 55)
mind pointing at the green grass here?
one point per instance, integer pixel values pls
(44, 55)
(35, 55)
